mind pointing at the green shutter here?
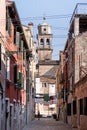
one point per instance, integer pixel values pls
(46, 97)
(20, 80)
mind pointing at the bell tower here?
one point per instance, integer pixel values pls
(44, 38)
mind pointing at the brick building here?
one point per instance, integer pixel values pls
(13, 68)
(76, 49)
(60, 88)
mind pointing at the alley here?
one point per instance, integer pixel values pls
(47, 124)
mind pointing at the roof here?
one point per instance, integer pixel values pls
(44, 23)
(16, 19)
(51, 73)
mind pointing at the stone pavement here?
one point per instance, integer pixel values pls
(47, 124)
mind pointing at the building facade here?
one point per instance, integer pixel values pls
(2, 63)
(75, 69)
(15, 53)
(31, 70)
(46, 71)
(60, 89)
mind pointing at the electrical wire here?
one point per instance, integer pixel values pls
(40, 17)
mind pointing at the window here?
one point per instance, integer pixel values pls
(81, 106)
(47, 42)
(15, 74)
(21, 80)
(44, 30)
(8, 25)
(41, 42)
(44, 85)
(85, 106)
(8, 68)
(18, 40)
(69, 109)
(46, 97)
(74, 107)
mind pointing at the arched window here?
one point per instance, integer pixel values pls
(47, 42)
(41, 42)
(44, 30)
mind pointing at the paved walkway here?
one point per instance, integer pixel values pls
(47, 124)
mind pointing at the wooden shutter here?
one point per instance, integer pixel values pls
(17, 39)
(21, 79)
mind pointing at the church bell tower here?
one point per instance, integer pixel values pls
(44, 38)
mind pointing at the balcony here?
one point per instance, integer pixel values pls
(81, 8)
(80, 12)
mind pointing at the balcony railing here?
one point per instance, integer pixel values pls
(81, 8)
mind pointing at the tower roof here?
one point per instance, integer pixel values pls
(44, 22)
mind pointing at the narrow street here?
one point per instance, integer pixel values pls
(47, 124)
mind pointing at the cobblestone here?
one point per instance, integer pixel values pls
(47, 124)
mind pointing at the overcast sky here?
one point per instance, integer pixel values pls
(58, 14)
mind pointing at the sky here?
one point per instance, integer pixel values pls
(58, 14)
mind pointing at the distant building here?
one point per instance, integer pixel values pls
(46, 71)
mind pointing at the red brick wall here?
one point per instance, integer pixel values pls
(12, 92)
(80, 93)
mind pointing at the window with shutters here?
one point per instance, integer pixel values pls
(21, 80)
(44, 85)
(8, 23)
(18, 40)
(46, 97)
